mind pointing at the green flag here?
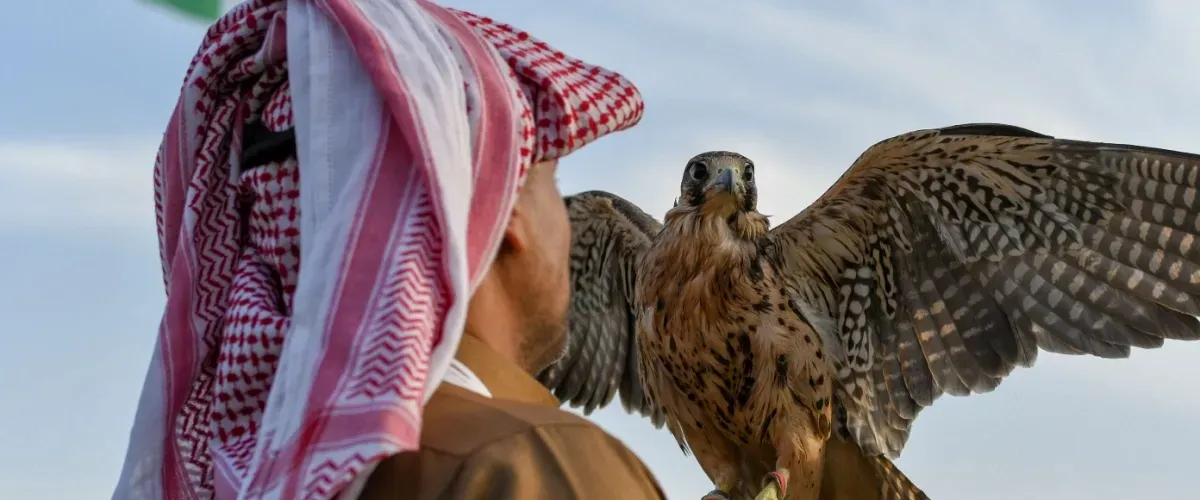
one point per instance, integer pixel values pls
(204, 10)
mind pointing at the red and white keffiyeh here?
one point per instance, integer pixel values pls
(307, 322)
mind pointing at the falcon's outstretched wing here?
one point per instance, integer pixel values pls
(609, 236)
(947, 257)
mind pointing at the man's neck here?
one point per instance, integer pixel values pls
(491, 319)
(502, 339)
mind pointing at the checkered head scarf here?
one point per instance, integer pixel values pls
(308, 322)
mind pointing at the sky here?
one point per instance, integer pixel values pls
(800, 89)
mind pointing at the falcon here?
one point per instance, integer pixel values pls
(792, 361)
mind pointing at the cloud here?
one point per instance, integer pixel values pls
(100, 183)
(1016, 62)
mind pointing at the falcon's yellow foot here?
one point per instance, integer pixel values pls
(716, 495)
(775, 487)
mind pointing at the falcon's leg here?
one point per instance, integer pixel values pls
(800, 464)
(716, 459)
(725, 479)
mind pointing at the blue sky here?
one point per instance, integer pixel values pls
(88, 88)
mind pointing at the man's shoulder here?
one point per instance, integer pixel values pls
(473, 446)
(459, 422)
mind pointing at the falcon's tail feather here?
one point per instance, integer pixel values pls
(851, 475)
(896, 485)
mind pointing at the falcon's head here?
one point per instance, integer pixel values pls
(720, 183)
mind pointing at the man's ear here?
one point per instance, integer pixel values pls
(517, 235)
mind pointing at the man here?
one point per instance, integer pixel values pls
(344, 189)
(515, 443)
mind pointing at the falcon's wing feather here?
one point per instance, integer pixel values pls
(944, 258)
(609, 236)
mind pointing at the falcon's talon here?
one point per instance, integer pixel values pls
(716, 495)
(775, 478)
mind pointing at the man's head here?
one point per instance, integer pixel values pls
(520, 307)
(391, 272)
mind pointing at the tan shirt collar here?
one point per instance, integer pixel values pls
(503, 378)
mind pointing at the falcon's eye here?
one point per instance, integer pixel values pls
(698, 170)
(748, 172)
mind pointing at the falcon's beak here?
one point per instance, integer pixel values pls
(724, 180)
